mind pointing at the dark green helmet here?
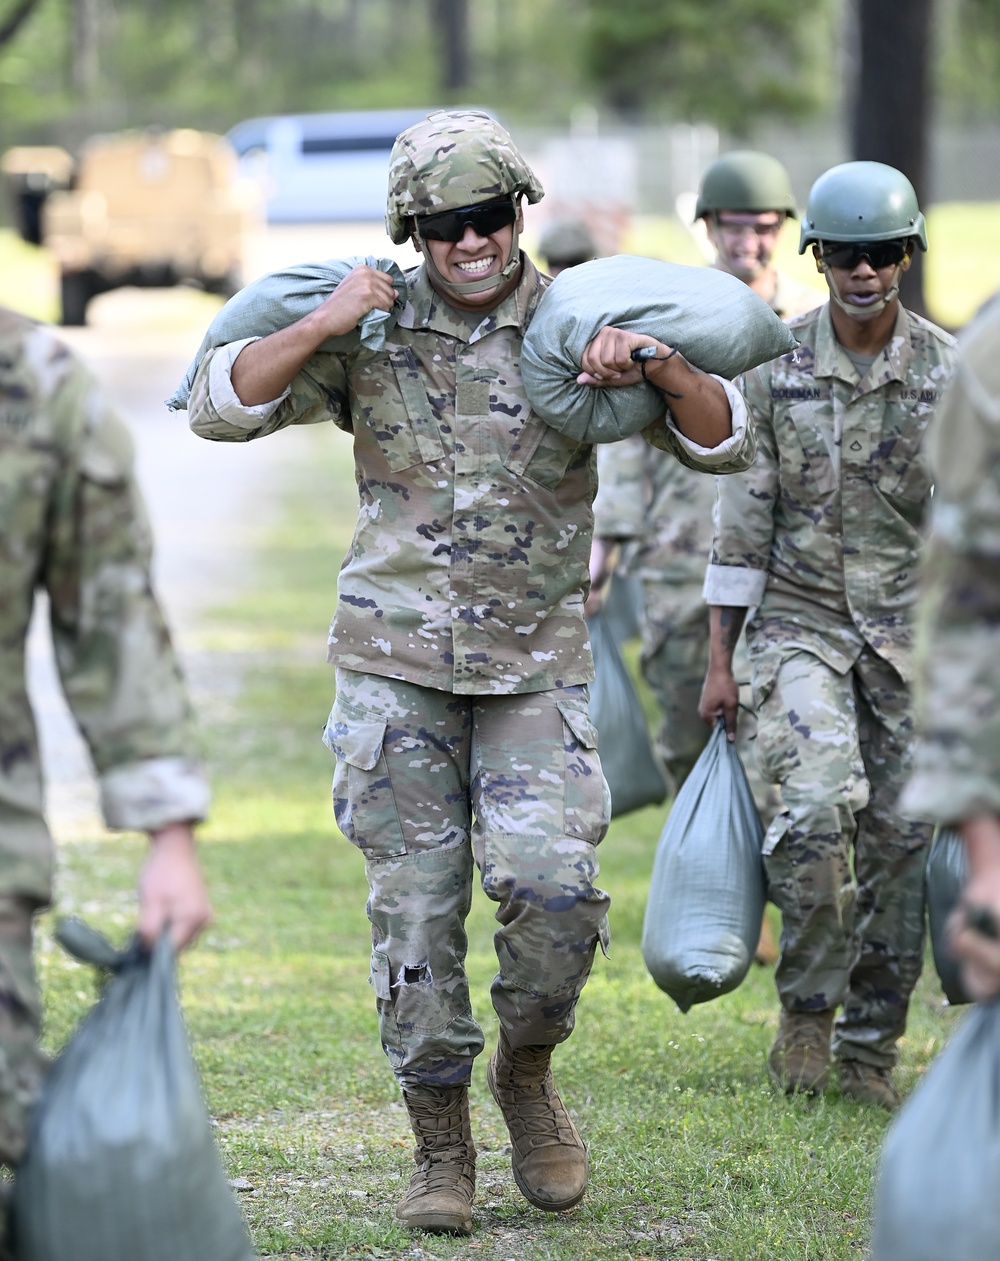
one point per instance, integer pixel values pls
(566, 241)
(745, 180)
(862, 201)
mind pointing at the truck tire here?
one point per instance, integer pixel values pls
(75, 291)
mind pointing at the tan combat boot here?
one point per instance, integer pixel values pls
(800, 1058)
(549, 1158)
(439, 1197)
(867, 1083)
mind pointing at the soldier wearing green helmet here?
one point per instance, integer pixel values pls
(460, 725)
(819, 543)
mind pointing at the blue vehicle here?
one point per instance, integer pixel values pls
(321, 167)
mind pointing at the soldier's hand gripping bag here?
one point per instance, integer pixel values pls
(943, 882)
(635, 777)
(707, 892)
(121, 1164)
(716, 321)
(936, 1195)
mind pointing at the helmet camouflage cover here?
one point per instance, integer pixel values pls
(453, 158)
(862, 201)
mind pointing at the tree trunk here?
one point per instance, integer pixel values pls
(10, 25)
(892, 103)
(86, 47)
(451, 18)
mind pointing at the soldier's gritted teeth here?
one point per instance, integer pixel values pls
(482, 266)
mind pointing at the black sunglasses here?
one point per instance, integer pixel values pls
(847, 254)
(486, 217)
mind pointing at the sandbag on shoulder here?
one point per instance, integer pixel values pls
(716, 321)
(280, 298)
(707, 891)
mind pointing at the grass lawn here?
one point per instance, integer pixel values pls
(694, 1157)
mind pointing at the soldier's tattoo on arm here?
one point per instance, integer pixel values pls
(730, 625)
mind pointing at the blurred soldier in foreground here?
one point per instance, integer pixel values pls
(821, 540)
(956, 777)
(72, 525)
(566, 243)
(460, 724)
(660, 513)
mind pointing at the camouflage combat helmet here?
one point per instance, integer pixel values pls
(566, 241)
(745, 180)
(453, 158)
(862, 201)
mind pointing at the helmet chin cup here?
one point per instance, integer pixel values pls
(861, 313)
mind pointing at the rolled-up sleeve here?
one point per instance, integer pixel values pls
(732, 455)
(743, 520)
(145, 796)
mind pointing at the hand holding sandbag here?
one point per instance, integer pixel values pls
(716, 321)
(121, 1163)
(707, 892)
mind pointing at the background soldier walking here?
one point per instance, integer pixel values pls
(821, 539)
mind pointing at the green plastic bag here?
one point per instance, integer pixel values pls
(708, 888)
(121, 1164)
(944, 880)
(936, 1196)
(635, 777)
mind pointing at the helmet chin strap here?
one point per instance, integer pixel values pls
(860, 313)
(470, 288)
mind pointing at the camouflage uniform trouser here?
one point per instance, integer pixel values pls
(428, 782)
(674, 661)
(840, 747)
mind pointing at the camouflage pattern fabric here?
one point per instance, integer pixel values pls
(460, 636)
(470, 558)
(72, 525)
(957, 763)
(821, 538)
(840, 745)
(427, 783)
(454, 158)
(822, 534)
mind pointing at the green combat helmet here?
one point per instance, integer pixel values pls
(862, 201)
(748, 181)
(454, 158)
(566, 242)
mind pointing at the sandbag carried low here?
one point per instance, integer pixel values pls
(635, 776)
(716, 321)
(281, 298)
(708, 888)
(944, 879)
(936, 1196)
(121, 1164)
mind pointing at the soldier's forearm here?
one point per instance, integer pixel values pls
(265, 368)
(725, 627)
(697, 401)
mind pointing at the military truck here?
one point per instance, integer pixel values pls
(147, 208)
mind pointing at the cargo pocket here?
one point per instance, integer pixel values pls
(587, 798)
(541, 454)
(817, 472)
(380, 979)
(363, 800)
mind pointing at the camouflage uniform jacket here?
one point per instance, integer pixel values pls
(72, 525)
(469, 563)
(663, 509)
(822, 535)
(957, 767)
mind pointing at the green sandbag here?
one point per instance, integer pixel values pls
(622, 607)
(717, 322)
(121, 1163)
(936, 1196)
(280, 298)
(944, 880)
(634, 775)
(708, 891)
